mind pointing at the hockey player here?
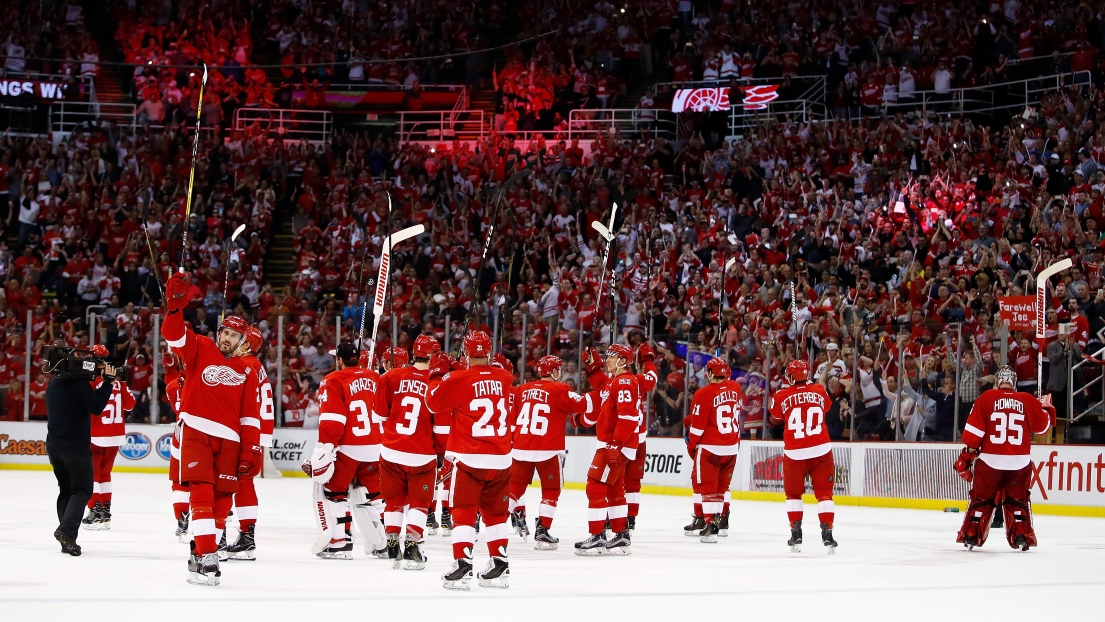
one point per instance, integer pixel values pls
(998, 439)
(801, 408)
(245, 501)
(539, 417)
(348, 448)
(174, 385)
(615, 418)
(713, 442)
(635, 470)
(221, 432)
(108, 434)
(408, 460)
(479, 446)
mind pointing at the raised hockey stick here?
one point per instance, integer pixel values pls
(382, 280)
(226, 276)
(607, 235)
(192, 173)
(1041, 316)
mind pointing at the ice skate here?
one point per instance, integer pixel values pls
(340, 549)
(203, 570)
(431, 524)
(92, 519)
(696, 526)
(413, 556)
(631, 523)
(497, 573)
(221, 551)
(394, 550)
(1021, 542)
(827, 538)
(970, 542)
(446, 522)
(619, 544)
(543, 541)
(723, 525)
(380, 553)
(710, 532)
(182, 528)
(245, 547)
(105, 517)
(68, 546)
(518, 518)
(594, 545)
(795, 542)
(459, 576)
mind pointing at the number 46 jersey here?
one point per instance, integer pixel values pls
(802, 410)
(539, 418)
(345, 405)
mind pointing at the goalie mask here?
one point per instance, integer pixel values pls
(1006, 375)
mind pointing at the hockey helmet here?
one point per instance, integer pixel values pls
(548, 365)
(718, 368)
(424, 346)
(477, 345)
(798, 371)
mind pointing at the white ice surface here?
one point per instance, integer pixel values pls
(891, 565)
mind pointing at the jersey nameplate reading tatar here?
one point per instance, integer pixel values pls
(488, 387)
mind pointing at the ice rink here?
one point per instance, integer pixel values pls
(891, 565)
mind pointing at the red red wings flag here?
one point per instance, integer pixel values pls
(756, 97)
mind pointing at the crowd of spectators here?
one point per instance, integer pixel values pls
(46, 38)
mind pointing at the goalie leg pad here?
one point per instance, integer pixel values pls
(976, 524)
(1018, 524)
(370, 519)
(330, 508)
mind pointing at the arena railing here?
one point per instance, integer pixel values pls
(441, 125)
(313, 126)
(67, 116)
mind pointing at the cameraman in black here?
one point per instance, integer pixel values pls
(70, 404)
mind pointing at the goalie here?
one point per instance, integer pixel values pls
(998, 438)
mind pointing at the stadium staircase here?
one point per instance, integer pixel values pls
(279, 256)
(110, 80)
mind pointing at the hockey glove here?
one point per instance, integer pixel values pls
(176, 291)
(965, 462)
(646, 353)
(251, 460)
(576, 420)
(592, 361)
(320, 466)
(613, 454)
(439, 365)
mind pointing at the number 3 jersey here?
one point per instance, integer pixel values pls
(480, 399)
(345, 404)
(539, 418)
(409, 427)
(802, 410)
(1001, 426)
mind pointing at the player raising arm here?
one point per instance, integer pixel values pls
(801, 407)
(998, 439)
(713, 443)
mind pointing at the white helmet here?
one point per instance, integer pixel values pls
(1006, 375)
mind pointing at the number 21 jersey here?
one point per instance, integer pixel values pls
(802, 410)
(480, 398)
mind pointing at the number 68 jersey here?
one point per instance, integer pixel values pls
(802, 410)
(345, 404)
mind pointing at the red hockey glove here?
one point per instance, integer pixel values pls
(250, 461)
(965, 462)
(646, 354)
(613, 454)
(576, 420)
(176, 291)
(592, 361)
(439, 364)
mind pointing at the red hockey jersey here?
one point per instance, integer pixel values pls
(345, 401)
(409, 425)
(802, 410)
(267, 406)
(480, 398)
(715, 419)
(539, 417)
(1001, 425)
(221, 400)
(618, 413)
(109, 428)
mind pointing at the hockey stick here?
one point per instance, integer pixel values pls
(607, 235)
(1041, 316)
(382, 280)
(226, 275)
(192, 173)
(732, 238)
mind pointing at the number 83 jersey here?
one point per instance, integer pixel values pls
(345, 405)
(802, 410)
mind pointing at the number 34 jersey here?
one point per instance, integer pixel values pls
(480, 399)
(345, 405)
(802, 410)
(409, 427)
(539, 418)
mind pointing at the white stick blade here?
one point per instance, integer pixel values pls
(729, 264)
(238, 232)
(603, 231)
(407, 233)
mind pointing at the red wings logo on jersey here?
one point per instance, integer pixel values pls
(220, 374)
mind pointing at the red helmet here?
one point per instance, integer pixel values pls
(620, 349)
(400, 357)
(100, 350)
(235, 323)
(502, 361)
(362, 360)
(798, 371)
(424, 346)
(254, 339)
(718, 368)
(477, 344)
(547, 365)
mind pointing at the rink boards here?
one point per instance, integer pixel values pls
(1067, 479)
